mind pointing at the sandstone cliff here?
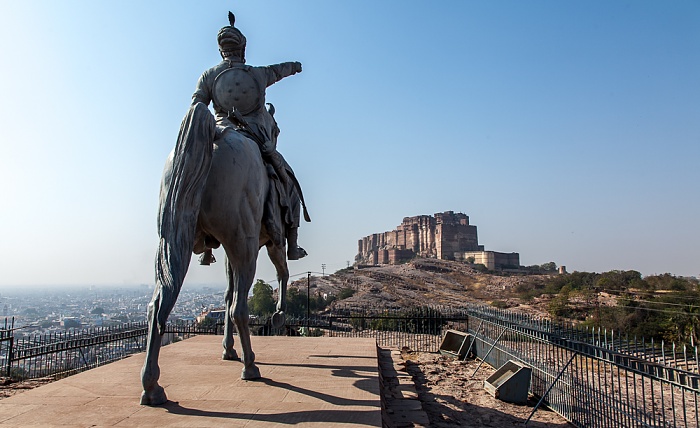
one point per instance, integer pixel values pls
(425, 282)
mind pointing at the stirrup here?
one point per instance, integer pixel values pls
(207, 258)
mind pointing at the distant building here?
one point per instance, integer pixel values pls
(216, 314)
(71, 322)
(447, 236)
(493, 260)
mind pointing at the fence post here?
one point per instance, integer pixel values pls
(9, 354)
(483, 360)
(476, 334)
(561, 372)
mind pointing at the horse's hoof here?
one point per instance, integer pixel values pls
(278, 319)
(250, 373)
(154, 398)
(231, 355)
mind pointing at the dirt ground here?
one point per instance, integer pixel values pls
(452, 397)
(8, 388)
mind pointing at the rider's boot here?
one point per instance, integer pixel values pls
(294, 252)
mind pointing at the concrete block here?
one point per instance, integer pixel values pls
(510, 383)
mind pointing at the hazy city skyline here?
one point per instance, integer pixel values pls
(566, 131)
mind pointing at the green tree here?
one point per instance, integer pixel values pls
(97, 311)
(559, 305)
(549, 267)
(616, 280)
(262, 302)
(671, 282)
(296, 302)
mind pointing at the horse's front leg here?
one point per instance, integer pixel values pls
(242, 278)
(229, 352)
(153, 394)
(278, 256)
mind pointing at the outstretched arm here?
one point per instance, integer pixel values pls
(277, 72)
(201, 92)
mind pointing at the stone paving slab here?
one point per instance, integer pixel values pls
(305, 381)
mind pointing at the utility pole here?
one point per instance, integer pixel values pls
(597, 305)
(308, 300)
(323, 269)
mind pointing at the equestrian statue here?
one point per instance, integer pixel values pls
(225, 184)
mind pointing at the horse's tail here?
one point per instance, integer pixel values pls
(180, 201)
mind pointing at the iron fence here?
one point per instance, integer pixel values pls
(63, 353)
(592, 377)
(419, 329)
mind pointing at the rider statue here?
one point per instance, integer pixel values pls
(237, 91)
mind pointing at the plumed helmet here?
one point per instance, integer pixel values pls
(230, 38)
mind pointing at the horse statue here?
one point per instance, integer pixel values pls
(213, 193)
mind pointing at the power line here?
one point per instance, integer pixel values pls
(692, 299)
(664, 294)
(661, 303)
(294, 276)
(667, 311)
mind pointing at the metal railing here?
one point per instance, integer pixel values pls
(589, 377)
(63, 353)
(592, 377)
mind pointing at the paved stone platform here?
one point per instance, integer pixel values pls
(306, 382)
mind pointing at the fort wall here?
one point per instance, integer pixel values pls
(447, 236)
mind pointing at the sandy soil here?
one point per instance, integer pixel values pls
(452, 397)
(8, 388)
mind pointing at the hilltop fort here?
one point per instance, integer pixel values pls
(446, 236)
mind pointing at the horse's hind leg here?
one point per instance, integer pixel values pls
(229, 352)
(153, 394)
(240, 278)
(162, 302)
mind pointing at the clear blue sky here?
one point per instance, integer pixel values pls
(567, 131)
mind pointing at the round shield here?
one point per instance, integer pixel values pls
(236, 87)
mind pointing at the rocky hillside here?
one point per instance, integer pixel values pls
(425, 282)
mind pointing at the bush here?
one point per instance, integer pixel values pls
(480, 267)
(422, 320)
(17, 373)
(500, 304)
(346, 293)
(357, 321)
